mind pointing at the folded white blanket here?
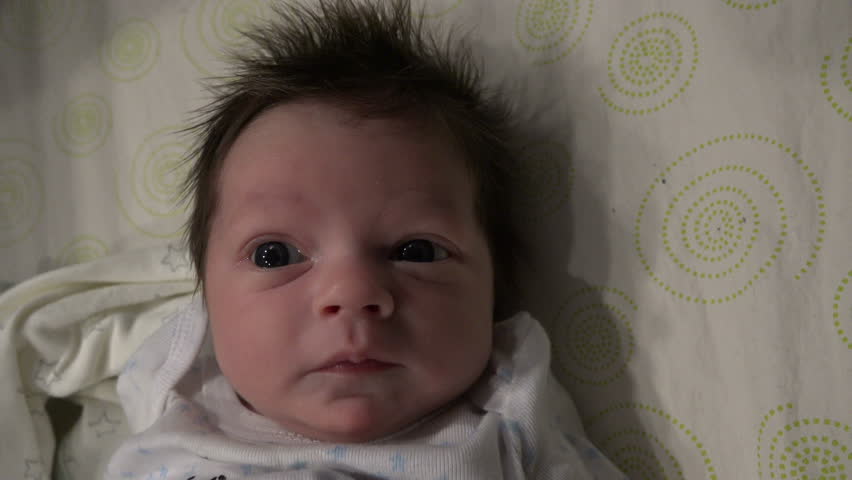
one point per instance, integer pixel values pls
(67, 333)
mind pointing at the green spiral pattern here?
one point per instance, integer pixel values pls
(841, 311)
(593, 339)
(83, 125)
(650, 64)
(21, 191)
(803, 449)
(149, 191)
(641, 454)
(32, 24)
(551, 29)
(751, 5)
(131, 51)
(709, 229)
(545, 179)
(212, 28)
(836, 82)
(229, 18)
(81, 249)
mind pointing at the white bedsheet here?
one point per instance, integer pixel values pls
(688, 206)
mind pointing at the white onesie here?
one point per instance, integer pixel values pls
(515, 422)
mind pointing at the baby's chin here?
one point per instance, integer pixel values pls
(351, 420)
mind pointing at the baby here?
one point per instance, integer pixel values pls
(351, 237)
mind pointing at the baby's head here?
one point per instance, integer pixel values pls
(350, 225)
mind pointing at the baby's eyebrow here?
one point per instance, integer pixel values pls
(260, 204)
(431, 210)
(428, 200)
(255, 200)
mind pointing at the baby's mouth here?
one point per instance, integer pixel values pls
(367, 365)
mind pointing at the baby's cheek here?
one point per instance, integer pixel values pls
(229, 347)
(465, 351)
(235, 342)
(248, 371)
(257, 344)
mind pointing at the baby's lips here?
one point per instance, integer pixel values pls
(354, 361)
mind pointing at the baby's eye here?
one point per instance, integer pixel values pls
(276, 254)
(419, 250)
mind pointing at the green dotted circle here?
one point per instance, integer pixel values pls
(804, 449)
(594, 341)
(81, 249)
(649, 58)
(751, 5)
(229, 19)
(636, 462)
(155, 177)
(216, 28)
(131, 51)
(622, 446)
(83, 125)
(837, 313)
(712, 231)
(595, 338)
(844, 110)
(21, 191)
(709, 246)
(546, 178)
(844, 67)
(552, 29)
(730, 239)
(32, 24)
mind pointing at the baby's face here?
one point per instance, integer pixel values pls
(348, 282)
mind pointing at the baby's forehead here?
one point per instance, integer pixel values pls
(411, 121)
(312, 127)
(303, 150)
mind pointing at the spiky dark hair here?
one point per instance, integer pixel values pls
(376, 59)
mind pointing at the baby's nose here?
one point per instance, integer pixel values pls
(354, 287)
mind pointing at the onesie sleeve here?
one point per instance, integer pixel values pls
(539, 421)
(147, 378)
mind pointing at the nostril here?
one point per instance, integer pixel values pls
(373, 308)
(335, 309)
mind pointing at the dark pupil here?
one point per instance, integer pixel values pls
(270, 255)
(417, 251)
